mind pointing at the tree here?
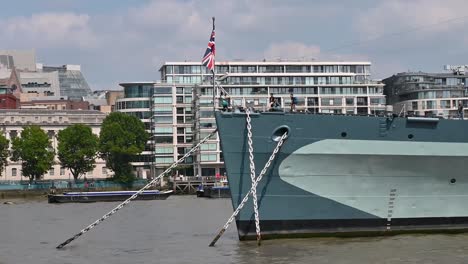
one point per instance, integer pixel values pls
(77, 149)
(122, 137)
(35, 152)
(4, 153)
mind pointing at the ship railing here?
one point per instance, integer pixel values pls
(305, 110)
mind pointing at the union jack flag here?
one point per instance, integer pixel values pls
(209, 57)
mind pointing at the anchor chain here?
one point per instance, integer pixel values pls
(120, 206)
(254, 185)
(252, 175)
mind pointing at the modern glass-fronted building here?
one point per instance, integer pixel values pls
(178, 110)
(427, 94)
(320, 87)
(137, 102)
(72, 82)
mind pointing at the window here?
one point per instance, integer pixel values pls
(206, 102)
(208, 147)
(14, 171)
(179, 99)
(62, 171)
(298, 68)
(208, 157)
(206, 114)
(13, 134)
(164, 160)
(163, 90)
(163, 110)
(270, 69)
(51, 172)
(163, 139)
(431, 104)
(163, 100)
(133, 91)
(104, 171)
(163, 130)
(164, 150)
(163, 120)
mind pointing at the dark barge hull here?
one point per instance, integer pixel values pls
(90, 197)
(214, 192)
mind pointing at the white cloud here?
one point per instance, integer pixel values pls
(130, 42)
(49, 30)
(292, 51)
(174, 18)
(418, 17)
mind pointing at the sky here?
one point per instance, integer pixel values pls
(118, 41)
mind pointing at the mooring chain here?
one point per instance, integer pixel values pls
(254, 186)
(120, 206)
(252, 175)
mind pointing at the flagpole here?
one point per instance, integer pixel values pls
(214, 75)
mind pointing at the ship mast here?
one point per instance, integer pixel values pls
(214, 74)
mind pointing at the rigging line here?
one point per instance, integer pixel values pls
(357, 43)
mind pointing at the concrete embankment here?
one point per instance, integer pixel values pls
(12, 194)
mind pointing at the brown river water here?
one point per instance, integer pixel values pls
(179, 229)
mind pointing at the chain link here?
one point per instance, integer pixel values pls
(254, 186)
(120, 206)
(253, 174)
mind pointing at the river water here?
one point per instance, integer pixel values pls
(179, 229)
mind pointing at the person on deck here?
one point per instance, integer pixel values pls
(225, 104)
(460, 110)
(293, 103)
(272, 100)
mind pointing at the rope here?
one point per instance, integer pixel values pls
(252, 175)
(120, 206)
(254, 186)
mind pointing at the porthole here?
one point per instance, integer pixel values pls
(344, 134)
(452, 181)
(410, 136)
(278, 133)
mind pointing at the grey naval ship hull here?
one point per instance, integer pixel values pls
(341, 175)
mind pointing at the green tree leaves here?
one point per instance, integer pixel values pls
(35, 152)
(77, 149)
(4, 153)
(122, 136)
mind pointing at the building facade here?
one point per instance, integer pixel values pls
(72, 82)
(320, 87)
(166, 111)
(427, 94)
(13, 121)
(55, 104)
(24, 75)
(137, 101)
(178, 110)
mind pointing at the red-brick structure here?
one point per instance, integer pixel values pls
(8, 101)
(56, 105)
